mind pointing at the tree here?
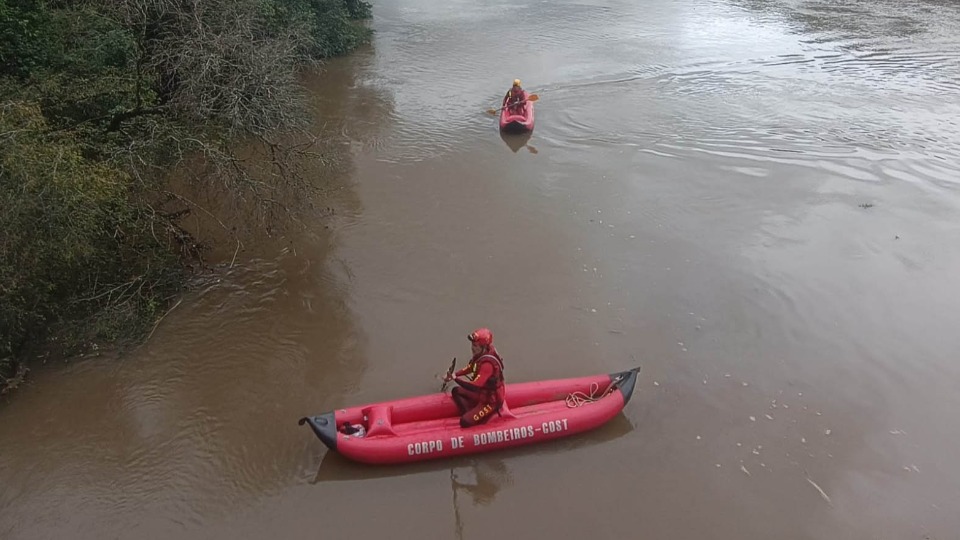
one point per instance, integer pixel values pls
(101, 99)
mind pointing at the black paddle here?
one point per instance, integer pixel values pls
(446, 379)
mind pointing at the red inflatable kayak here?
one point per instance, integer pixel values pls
(516, 123)
(428, 427)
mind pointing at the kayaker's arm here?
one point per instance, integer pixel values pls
(466, 369)
(483, 378)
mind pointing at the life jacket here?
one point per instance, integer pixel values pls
(514, 98)
(494, 391)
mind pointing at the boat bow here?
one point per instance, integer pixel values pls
(625, 381)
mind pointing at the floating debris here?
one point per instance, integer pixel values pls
(756, 452)
(727, 375)
(655, 383)
(827, 432)
(820, 490)
(718, 465)
(803, 440)
(744, 383)
(698, 437)
(753, 418)
(898, 432)
(744, 469)
(739, 444)
(768, 417)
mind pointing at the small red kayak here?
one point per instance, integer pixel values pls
(516, 123)
(428, 427)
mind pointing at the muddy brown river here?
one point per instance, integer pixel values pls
(756, 201)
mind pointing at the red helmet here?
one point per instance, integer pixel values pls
(481, 336)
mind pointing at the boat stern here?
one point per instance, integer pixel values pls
(515, 127)
(324, 426)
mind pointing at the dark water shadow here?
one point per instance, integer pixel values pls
(515, 142)
(344, 112)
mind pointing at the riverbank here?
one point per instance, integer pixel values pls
(102, 101)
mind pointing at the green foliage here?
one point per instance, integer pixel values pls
(358, 9)
(99, 98)
(71, 242)
(78, 41)
(24, 41)
(76, 62)
(331, 27)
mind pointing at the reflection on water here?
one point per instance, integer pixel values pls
(488, 477)
(181, 429)
(517, 141)
(476, 479)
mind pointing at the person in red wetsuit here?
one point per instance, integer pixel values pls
(516, 98)
(480, 389)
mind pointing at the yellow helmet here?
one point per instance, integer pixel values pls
(516, 82)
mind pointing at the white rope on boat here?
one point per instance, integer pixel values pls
(577, 399)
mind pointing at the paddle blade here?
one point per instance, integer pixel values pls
(533, 97)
